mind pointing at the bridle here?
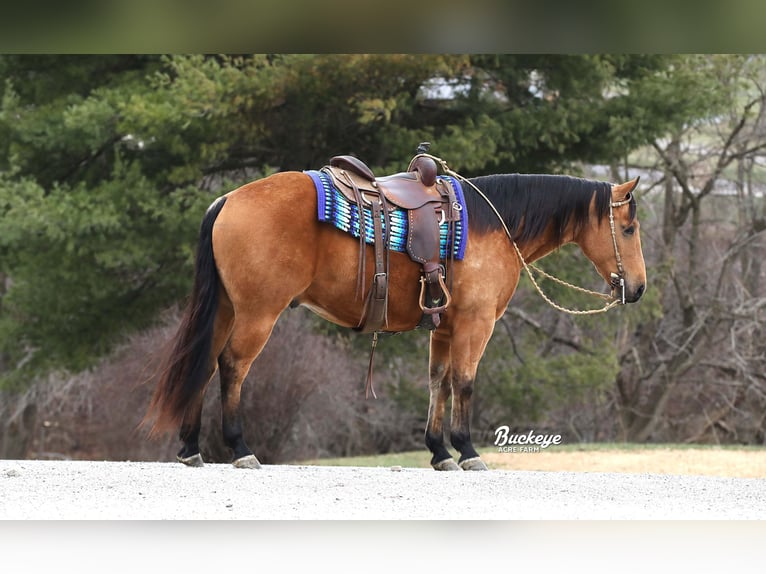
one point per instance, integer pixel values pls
(617, 279)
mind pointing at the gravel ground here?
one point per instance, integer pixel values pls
(150, 491)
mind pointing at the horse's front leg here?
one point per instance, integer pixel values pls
(440, 388)
(460, 428)
(468, 344)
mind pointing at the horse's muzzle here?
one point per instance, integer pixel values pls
(622, 291)
(636, 294)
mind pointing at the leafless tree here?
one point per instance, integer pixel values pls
(694, 372)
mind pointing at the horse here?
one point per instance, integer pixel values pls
(261, 250)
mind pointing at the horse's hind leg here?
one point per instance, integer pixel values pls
(189, 434)
(248, 339)
(233, 372)
(192, 422)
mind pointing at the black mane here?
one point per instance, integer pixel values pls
(530, 203)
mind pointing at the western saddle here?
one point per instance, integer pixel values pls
(429, 202)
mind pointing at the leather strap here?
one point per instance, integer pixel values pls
(360, 273)
(374, 317)
(368, 388)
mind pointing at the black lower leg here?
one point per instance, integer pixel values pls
(461, 440)
(190, 436)
(460, 433)
(233, 436)
(435, 443)
(231, 385)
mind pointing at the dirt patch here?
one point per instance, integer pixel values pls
(706, 462)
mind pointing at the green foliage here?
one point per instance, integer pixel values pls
(88, 263)
(410, 394)
(527, 372)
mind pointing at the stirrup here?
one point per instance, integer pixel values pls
(422, 300)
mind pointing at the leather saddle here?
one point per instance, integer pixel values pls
(409, 190)
(429, 203)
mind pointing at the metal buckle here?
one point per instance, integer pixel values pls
(378, 276)
(618, 281)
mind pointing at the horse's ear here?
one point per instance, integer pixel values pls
(625, 188)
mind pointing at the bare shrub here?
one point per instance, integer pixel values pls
(95, 414)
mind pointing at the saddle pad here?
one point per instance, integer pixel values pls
(334, 208)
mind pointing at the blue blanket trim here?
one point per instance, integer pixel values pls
(334, 208)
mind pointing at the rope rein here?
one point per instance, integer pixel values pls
(610, 301)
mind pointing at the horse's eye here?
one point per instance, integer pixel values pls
(630, 230)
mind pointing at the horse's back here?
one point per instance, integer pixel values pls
(290, 189)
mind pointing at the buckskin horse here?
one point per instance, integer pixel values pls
(263, 249)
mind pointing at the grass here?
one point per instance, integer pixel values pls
(412, 459)
(630, 446)
(724, 460)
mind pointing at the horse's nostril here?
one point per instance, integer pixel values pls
(639, 292)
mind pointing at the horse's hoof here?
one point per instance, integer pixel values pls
(193, 460)
(474, 463)
(446, 464)
(248, 461)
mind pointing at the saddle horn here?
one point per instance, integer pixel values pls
(424, 165)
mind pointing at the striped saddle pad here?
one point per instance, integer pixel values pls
(334, 208)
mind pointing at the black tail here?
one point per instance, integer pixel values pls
(187, 367)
